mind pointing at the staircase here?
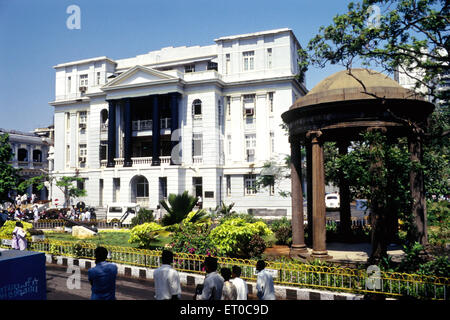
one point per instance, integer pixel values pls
(101, 213)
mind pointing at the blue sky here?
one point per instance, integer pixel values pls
(34, 38)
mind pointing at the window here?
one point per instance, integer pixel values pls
(228, 181)
(269, 58)
(197, 108)
(103, 150)
(250, 145)
(98, 78)
(212, 65)
(82, 153)
(271, 102)
(250, 184)
(142, 187)
(83, 116)
(67, 121)
(249, 60)
(272, 142)
(249, 105)
(69, 84)
(228, 106)
(229, 144)
(197, 144)
(82, 120)
(189, 68)
(67, 155)
(227, 63)
(81, 184)
(83, 80)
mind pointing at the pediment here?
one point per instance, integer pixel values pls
(138, 75)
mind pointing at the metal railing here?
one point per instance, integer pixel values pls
(55, 223)
(288, 274)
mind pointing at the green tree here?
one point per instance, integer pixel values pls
(9, 176)
(68, 185)
(177, 207)
(395, 35)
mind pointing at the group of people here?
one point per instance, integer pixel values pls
(24, 199)
(79, 214)
(224, 286)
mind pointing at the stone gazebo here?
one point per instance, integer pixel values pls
(338, 109)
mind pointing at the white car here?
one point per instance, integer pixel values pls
(332, 200)
(121, 212)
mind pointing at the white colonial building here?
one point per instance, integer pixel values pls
(203, 119)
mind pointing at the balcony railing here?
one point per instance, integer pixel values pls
(147, 125)
(137, 161)
(142, 125)
(197, 159)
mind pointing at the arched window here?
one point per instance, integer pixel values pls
(104, 119)
(22, 155)
(37, 156)
(197, 108)
(141, 187)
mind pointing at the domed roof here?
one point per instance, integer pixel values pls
(354, 84)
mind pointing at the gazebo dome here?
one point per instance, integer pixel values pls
(354, 84)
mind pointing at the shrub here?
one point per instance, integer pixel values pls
(145, 233)
(284, 235)
(193, 239)
(7, 229)
(255, 247)
(234, 233)
(143, 216)
(438, 213)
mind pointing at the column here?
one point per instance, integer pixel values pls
(418, 207)
(111, 133)
(318, 195)
(309, 191)
(174, 121)
(127, 133)
(156, 132)
(344, 195)
(298, 234)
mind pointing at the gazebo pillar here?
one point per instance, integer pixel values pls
(318, 186)
(344, 195)
(309, 191)
(298, 247)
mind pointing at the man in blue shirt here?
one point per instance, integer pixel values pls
(103, 277)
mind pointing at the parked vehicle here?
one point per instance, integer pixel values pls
(332, 200)
(121, 212)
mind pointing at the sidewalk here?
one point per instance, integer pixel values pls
(342, 252)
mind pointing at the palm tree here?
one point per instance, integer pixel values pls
(177, 207)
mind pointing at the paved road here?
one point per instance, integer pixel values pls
(127, 288)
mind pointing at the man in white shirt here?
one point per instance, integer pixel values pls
(264, 284)
(35, 214)
(240, 284)
(87, 215)
(167, 279)
(213, 284)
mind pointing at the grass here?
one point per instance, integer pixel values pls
(109, 238)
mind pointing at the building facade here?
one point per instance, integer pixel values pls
(30, 156)
(203, 119)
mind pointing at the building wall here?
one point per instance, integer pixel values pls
(220, 155)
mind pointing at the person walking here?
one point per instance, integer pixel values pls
(167, 279)
(102, 277)
(239, 283)
(36, 213)
(229, 291)
(213, 284)
(264, 284)
(19, 241)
